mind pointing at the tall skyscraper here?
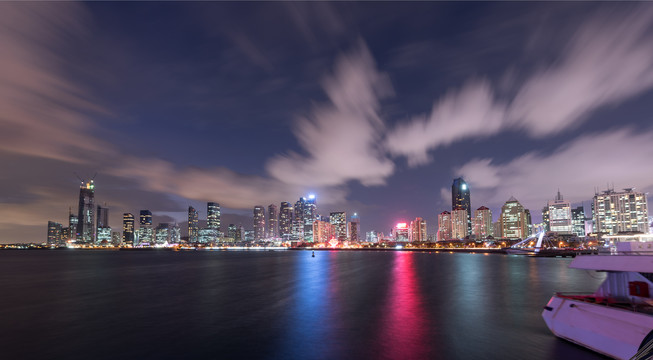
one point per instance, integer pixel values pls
(86, 213)
(578, 221)
(482, 223)
(273, 219)
(459, 223)
(355, 228)
(339, 221)
(298, 220)
(545, 218)
(259, 223)
(310, 215)
(615, 212)
(145, 217)
(460, 199)
(193, 225)
(128, 229)
(102, 217)
(213, 216)
(323, 231)
(285, 221)
(145, 232)
(559, 215)
(73, 220)
(400, 232)
(444, 226)
(418, 230)
(513, 222)
(54, 233)
(231, 231)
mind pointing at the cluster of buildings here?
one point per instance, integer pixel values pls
(613, 212)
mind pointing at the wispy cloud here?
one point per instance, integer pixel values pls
(576, 169)
(606, 61)
(341, 137)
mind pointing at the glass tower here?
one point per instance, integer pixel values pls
(460, 200)
(86, 213)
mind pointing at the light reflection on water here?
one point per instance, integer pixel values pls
(281, 305)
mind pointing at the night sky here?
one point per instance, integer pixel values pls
(373, 107)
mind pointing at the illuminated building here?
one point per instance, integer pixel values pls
(145, 232)
(73, 220)
(371, 237)
(578, 221)
(104, 235)
(417, 230)
(231, 231)
(193, 225)
(482, 223)
(298, 220)
(444, 226)
(54, 233)
(128, 229)
(175, 234)
(162, 234)
(285, 221)
(559, 215)
(459, 223)
(513, 222)
(460, 200)
(259, 223)
(400, 232)
(207, 236)
(213, 216)
(310, 215)
(323, 231)
(529, 222)
(65, 234)
(145, 218)
(249, 235)
(339, 221)
(355, 228)
(273, 220)
(115, 238)
(615, 212)
(86, 213)
(545, 218)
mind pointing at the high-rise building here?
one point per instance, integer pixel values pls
(298, 220)
(273, 221)
(175, 234)
(285, 221)
(115, 238)
(460, 199)
(400, 232)
(145, 232)
(559, 215)
(103, 225)
(529, 223)
(578, 221)
(213, 216)
(323, 231)
(355, 228)
(513, 222)
(145, 217)
(162, 234)
(86, 213)
(54, 234)
(615, 212)
(459, 223)
(339, 221)
(371, 237)
(482, 223)
(259, 223)
(545, 218)
(417, 230)
(193, 225)
(310, 215)
(128, 229)
(73, 220)
(444, 226)
(103, 236)
(231, 231)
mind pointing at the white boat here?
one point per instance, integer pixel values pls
(617, 319)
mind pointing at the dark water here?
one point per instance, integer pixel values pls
(281, 305)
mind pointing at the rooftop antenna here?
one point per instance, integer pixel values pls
(94, 175)
(80, 179)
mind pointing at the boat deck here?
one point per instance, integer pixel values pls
(608, 302)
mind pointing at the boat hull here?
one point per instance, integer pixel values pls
(611, 331)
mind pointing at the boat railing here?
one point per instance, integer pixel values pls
(623, 304)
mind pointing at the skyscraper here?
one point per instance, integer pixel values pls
(73, 220)
(460, 199)
(298, 220)
(86, 213)
(459, 223)
(259, 223)
(615, 212)
(273, 219)
(145, 230)
(54, 233)
(339, 221)
(103, 227)
(482, 223)
(285, 221)
(355, 228)
(213, 216)
(310, 215)
(128, 229)
(444, 226)
(578, 221)
(323, 231)
(559, 215)
(513, 222)
(417, 230)
(193, 225)
(231, 231)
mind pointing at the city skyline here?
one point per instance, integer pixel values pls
(373, 116)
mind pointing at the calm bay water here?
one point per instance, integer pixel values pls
(281, 305)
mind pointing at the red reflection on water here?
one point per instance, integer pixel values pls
(404, 325)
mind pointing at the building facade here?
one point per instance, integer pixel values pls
(483, 223)
(578, 221)
(355, 228)
(213, 216)
(460, 199)
(513, 222)
(273, 222)
(55, 237)
(323, 231)
(459, 229)
(339, 221)
(615, 212)
(285, 221)
(86, 213)
(128, 229)
(193, 225)
(559, 215)
(259, 223)
(418, 230)
(444, 226)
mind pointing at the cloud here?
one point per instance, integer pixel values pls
(606, 61)
(42, 112)
(618, 157)
(341, 137)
